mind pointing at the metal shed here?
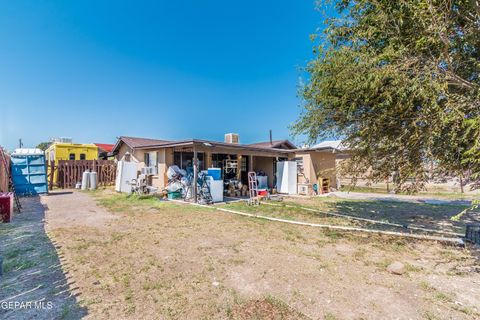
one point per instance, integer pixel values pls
(29, 172)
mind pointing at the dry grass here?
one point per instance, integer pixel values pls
(168, 260)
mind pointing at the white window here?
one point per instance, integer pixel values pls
(299, 165)
(151, 159)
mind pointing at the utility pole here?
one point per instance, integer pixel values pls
(20, 143)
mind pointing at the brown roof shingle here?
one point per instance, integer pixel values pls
(134, 142)
(274, 144)
(145, 143)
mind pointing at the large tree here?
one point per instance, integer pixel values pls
(398, 80)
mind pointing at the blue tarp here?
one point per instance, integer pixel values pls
(29, 174)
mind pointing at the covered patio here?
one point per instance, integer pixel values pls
(235, 161)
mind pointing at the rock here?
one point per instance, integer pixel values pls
(215, 284)
(396, 268)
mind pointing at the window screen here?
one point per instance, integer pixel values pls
(150, 159)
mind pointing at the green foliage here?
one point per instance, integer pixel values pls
(43, 145)
(398, 80)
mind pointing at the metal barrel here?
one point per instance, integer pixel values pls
(85, 180)
(93, 180)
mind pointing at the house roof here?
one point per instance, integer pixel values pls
(277, 146)
(105, 146)
(274, 144)
(209, 143)
(143, 143)
(134, 142)
(334, 145)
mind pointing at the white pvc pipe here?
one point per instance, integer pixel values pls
(456, 241)
(367, 220)
(344, 228)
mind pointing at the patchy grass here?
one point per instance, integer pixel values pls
(31, 268)
(438, 193)
(436, 217)
(400, 212)
(329, 316)
(135, 204)
(269, 307)
(164, 259)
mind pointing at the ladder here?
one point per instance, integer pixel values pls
(254, 199)
(11, 186)
(204, 191)
(204, 195)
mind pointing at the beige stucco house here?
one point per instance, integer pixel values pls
(314, 163)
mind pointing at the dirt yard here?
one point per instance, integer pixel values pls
(34, 284)
(132, 258)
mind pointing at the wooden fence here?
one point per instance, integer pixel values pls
(4, 174)
(67, 173)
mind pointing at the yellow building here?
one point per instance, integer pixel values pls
(70, 151)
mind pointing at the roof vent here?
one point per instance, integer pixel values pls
(231, 138)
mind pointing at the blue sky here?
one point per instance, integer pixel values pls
(95, 70)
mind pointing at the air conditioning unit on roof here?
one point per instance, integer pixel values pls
(232, 138)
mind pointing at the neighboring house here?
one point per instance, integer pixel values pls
(70, 151)
(314, 163)
(104, 150)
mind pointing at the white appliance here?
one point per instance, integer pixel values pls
(126, 171)
(287, 177)
(216, 189)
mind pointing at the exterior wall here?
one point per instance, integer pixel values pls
(164, 160)
(306, 177)
(135, 156)
(324, 166)
(62, 151)
(264, 164)
(318, 165)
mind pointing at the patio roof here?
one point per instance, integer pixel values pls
(201, 145)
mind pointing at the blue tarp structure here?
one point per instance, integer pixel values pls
(29, 172)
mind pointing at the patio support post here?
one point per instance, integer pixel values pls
(208, 159)
(239, 167)
(195, 174)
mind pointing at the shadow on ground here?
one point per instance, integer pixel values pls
(33, 284)
(432, 216)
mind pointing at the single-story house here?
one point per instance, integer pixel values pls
(235, 159)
